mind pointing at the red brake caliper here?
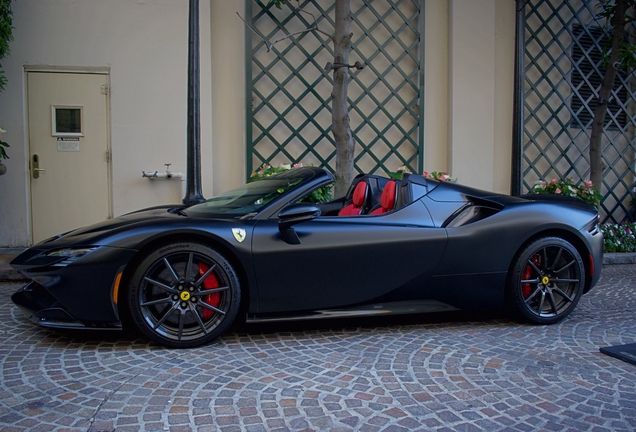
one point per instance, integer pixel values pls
(209, 283)
(527, 272)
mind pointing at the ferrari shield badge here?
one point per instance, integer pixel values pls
(239, 234)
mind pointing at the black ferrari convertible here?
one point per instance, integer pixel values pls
(181, 275)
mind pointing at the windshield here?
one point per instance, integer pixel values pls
(252, 197)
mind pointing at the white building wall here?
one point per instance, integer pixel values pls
(468, 108)
(144, 43)
(469, 71)
(472, 88)
(228, 94)
(436, 114)
(504, 91)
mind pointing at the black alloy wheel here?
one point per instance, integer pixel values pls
(546, 281)
(184, 295)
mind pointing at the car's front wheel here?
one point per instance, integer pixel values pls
(183, 295)
(546, 281)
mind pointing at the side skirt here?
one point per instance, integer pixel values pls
(384, 309)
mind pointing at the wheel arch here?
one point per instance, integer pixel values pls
(570, 237)
(197, 237)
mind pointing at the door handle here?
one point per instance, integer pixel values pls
(35, 166)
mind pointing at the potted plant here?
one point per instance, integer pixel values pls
(3, 153)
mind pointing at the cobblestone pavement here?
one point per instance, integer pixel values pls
(451, 372)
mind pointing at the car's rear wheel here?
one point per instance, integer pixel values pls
(546, 281)
(183, 295)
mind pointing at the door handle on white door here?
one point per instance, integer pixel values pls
(35, 166)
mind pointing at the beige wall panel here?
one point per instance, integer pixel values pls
(504, 94)
(228, 94)
(472, 91)
(436, 86)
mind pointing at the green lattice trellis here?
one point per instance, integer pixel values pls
(289, 92)
(562, 74)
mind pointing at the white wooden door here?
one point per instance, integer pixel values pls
(68, 145)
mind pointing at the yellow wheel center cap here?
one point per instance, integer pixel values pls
(185, 296)
(545, 280)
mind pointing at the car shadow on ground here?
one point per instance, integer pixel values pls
(66, 338)
(370, 322)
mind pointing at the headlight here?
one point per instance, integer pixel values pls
(70, 255)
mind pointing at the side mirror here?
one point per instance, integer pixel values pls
(293, 214)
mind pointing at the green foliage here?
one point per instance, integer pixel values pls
(280, 3)
(619, 237)
(397, 175)
(567, 187)
(627, 51)
(3, 154)
(320, 195)
(435, 175)
(439, 175)
(6, 19)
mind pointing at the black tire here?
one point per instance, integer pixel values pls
(546, 281)
(183, 295)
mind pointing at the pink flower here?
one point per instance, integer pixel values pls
(425, 174)
(588, 183)
(558, 191)
(554, 180)
(298, 165)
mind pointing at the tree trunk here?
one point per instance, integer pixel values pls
(596, 150)
(341, 129)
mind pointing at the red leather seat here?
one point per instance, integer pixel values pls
(388, 199)
(357, 201)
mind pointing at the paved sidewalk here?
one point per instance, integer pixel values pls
(451, 372)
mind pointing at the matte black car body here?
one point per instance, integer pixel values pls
(444, 246)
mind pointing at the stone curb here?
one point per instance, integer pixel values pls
(10, 275)
(7, 273)
(619, 258)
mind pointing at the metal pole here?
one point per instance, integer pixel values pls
(193, 175)
(517, 127)
(249, 115)
(422, 54)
